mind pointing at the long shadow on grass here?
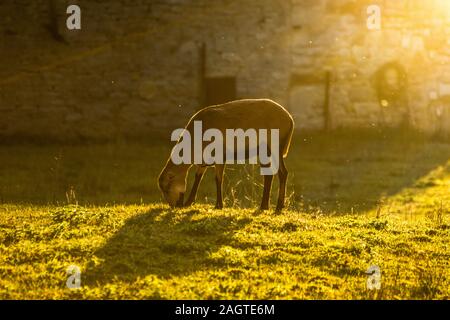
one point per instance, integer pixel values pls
(355, 171)
(163, 243)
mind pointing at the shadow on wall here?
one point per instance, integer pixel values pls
(182, 244)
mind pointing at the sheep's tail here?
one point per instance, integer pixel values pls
(289, 138)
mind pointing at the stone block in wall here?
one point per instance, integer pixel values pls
(367, 110)
(304, 13)
(362, 92)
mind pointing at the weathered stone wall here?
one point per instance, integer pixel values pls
(414, 37)
(135, 68)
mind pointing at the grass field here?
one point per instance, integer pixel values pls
(356, 199)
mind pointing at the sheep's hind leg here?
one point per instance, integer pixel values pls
(282, 175)
(198, 178)
(219, 185)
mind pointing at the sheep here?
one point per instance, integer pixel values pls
(248, 114)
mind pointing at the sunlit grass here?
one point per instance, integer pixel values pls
(382, 199)
(428, 196)
(149, 251)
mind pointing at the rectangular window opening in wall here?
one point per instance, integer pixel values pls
(219, 90)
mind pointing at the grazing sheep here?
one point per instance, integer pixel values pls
(244, 115)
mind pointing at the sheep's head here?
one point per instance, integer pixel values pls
(173, 186)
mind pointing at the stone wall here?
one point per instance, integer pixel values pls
(139, 67)
(414, 40)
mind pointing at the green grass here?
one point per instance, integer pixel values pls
(355, 200)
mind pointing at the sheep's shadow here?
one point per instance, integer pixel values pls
(163, 243)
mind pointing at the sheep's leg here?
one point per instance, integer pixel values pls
(219, 185)
(266, 194)
(282, 175)
(198, 178)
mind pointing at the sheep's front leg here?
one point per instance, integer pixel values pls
(198, 178)
(219, 185)
(266, 193)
